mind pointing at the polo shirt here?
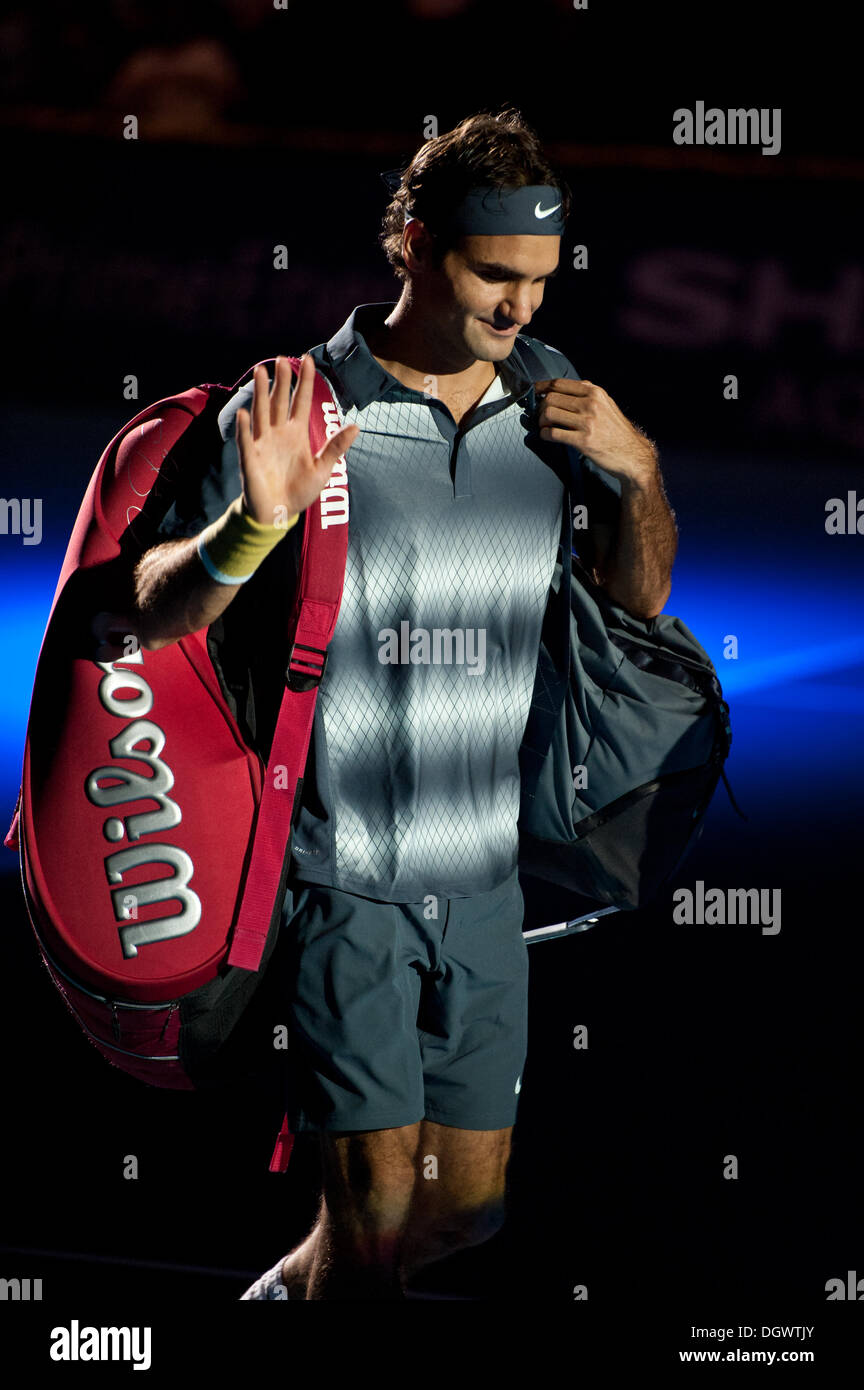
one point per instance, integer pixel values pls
(412, 783)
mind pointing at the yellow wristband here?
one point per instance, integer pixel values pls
(232, 548)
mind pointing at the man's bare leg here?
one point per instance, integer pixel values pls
(368, 1180)
(297, 1266)
(465, 1203)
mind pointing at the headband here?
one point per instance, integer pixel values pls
(537, 209)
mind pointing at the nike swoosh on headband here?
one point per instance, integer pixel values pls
(532, 209)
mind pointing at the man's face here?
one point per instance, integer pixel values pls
(488, 289)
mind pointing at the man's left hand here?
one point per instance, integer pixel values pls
(582, 415)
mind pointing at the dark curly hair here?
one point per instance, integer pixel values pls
(495, 148)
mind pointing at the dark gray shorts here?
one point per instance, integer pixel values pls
(396, 1015)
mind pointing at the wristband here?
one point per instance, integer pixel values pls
(232, 547)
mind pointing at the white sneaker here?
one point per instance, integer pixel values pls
(269, 1285)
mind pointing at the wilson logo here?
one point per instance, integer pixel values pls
(141, 741)
(334, 497)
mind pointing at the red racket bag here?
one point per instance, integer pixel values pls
(154, 844)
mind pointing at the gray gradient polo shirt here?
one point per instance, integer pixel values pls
(412, 786)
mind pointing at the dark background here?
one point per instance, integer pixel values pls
(154, 257)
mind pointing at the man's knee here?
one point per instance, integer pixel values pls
(447, 1235)
(462, 1227)
(368, 1158)
(465, 1202)
(368, 1178)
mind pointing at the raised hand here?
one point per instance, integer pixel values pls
(281, 475)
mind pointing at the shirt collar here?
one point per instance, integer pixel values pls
(361, 377)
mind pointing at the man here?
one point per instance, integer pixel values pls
(407, 975)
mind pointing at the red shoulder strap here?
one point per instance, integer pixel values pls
(313, 621)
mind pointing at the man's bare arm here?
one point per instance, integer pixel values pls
(174, 594)
(634, 565)
(634, 568)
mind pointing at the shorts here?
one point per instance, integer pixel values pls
(396, 1015)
